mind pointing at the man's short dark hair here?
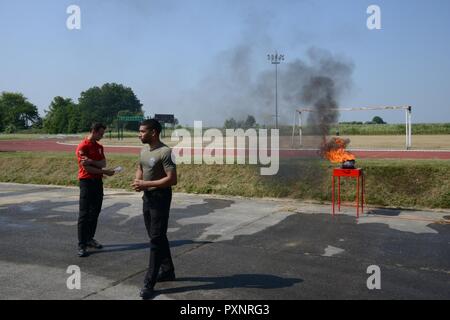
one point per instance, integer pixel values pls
(152, 124)
(97, 126)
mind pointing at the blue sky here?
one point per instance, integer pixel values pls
(176, 55)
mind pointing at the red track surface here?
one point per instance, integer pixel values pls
(52, 145)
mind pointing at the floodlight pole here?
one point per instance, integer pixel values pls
(276, 59)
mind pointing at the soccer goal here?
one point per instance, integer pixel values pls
(298, 121)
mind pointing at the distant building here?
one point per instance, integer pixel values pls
(165, 118)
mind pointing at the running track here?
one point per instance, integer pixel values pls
(53, 145)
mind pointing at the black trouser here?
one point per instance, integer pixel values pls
(156, 216)
(91, 199)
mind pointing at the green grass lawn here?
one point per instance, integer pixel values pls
(35, 136)
(392, 183)
(20, 136)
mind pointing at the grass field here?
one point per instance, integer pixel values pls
(393, 129)
(394, 183)
(21, 136)
(380, 129)
(419, 142)
(36, 136)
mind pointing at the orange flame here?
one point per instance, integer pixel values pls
(334, 150)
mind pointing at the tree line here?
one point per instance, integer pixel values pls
(16, 112)
(249, 122)
(64, 115)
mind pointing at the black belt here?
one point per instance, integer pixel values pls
(158, 190)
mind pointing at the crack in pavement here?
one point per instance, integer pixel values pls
(115, 283)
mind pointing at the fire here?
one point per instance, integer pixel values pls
(334, 150)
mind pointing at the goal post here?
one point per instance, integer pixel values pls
(298, 120)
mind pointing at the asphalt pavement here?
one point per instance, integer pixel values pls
(223, 248)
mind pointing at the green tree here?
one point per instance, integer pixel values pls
(250, 122)
(73, 124)
(378, 120)
(60, 116)
(2, 117)
(16, 112)
(230, 124)
(104, 104)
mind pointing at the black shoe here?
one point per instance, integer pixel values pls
(166, 276)
(82, 252)
(147, 293)
(94, 244)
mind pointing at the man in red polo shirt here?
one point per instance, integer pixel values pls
(91, 163)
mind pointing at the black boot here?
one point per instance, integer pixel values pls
(82, 252)
(166, 276)
(147, 293)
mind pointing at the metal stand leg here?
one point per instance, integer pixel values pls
(357, 197)
(363, 191)
(339, 194)
(332, 192)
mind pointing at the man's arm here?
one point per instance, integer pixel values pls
(95, 170)
(139, 173)
(99, 164)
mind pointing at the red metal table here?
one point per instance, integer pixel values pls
(352, 173)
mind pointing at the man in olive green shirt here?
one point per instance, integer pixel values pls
(155, 175)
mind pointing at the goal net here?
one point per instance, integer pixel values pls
(301, 138)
